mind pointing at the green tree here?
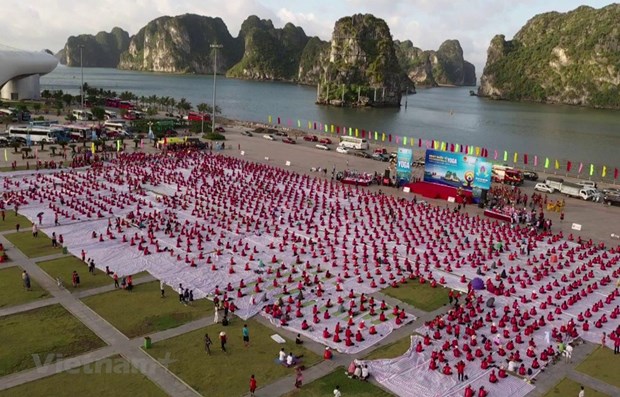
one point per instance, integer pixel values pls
(37, 107)
(46, 94)
(126, 96)
(67, 99)
(98, 113)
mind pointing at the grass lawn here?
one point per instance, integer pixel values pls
(420, 296)
(602, 365)
(568, 387)
(228, 374)
(30, 246)
(143, 311)
(12, 290)
(113, 376)
(47, 330)
(10, 220)
(64, 267)
(392, 350)
(349, 387)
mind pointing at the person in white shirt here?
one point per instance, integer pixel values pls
(511, 366)
(582, 392)
(365, 373)
(290, 359)
(357, 374)
(282, 356)
(337, 392)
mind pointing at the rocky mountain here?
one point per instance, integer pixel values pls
(270, 53)
(445, 66)
(571, 58)
(314, 55)
(101, 50)
(362, 68)
(182, 44)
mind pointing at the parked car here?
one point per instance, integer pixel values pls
(322, 147)
(278, 132)
(247, 133)
(380, 157)
(380, 150)
(342, 149)
(269, 137)
(220, 129)
(363, 154)
(530, 175)
(611, 191)
(543, 187)
(325, 141)
(612, 199)
(4, 142)
(288, 140)
(311, 138)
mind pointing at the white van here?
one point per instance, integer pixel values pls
(83, 115)
(115, 125)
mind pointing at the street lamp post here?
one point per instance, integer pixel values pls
(215, 47)
(82, 80)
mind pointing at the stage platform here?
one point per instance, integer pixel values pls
(438, 191)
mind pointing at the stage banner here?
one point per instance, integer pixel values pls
(404, 160)
(457, 170)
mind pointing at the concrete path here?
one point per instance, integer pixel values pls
(130, 349)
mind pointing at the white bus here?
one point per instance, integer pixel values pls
(352, 142)
(78, 132)
(37, 133)
(115, 125)
(83, 115)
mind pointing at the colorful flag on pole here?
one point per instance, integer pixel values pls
(350, 131)
(357, 133)
(535, 160)
(376, 135)
(569, 165)
(404, 141)
(546, 162)
(591, 169)
(516, 157)
(580, 168)
(269, 119)
(298, 123)
(278, 120)
(457, 147)
(309, 125)
(92, 147)
(495, 155)
(419, 142)
(327, 128)
(524, 158)
(332, 128)
(604, 173)
(557, 164)
(6, 156)
(505, 155)
(615, 170)
(383, 137)
(118, 145)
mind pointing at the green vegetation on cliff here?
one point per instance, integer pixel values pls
(181, 44)
(270, 53)
(102, 50)
(571, 58)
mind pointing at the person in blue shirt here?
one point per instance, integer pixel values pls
(246, 335)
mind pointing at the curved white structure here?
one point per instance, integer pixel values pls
(20, 72)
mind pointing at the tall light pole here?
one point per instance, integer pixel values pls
(215, 48)
(82, 73)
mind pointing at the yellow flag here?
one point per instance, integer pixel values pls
(557, 164)
(604, 171)
(6, 155)
(516, 157)
(383, 137)
(92, 147)
(332, 128)
(269, 119)
(404, 140)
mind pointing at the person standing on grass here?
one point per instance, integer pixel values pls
(299, 378)
(216, 316)
(91, 267)
(75, 279)
(129, 282)
(3, 214)
(252, 385)
(337, 392)
(180, 293)
(223, 341)
(17, 227)
(246, 335)
(54, 240)
(162, 288)
(582, 392)
(35, 230)
(115, 278)
(26, 280)
(208, 344)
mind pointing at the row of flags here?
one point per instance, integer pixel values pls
(517, 159)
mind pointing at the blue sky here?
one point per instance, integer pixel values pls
(38, 24)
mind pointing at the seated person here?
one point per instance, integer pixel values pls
(298, 340)
(482, 392)
(327, 354)
(357, 374)
(365, 373)
(291, 360)
(493, 377)
(282, 356)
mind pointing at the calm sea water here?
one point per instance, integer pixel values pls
(450, 114)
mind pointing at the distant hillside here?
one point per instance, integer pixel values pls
(445, 66)
(571, 58)
(102, 50)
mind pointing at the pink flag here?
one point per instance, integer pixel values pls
(535, 161)
(428, 144)
(580, 168)
(495, 155)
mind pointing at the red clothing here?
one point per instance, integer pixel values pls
(252, 385)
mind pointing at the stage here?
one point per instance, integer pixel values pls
(497, 215)
(438, 191)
